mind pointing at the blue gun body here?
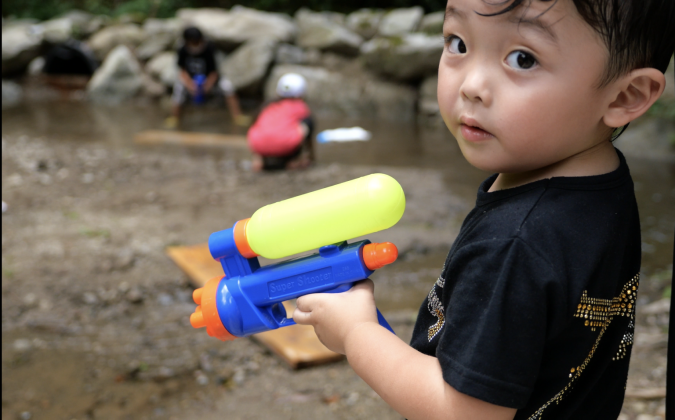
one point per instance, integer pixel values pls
(249, 297)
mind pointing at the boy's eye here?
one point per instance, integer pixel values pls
(521, 60)
(455, 45)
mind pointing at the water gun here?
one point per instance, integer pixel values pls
(199, 80)
(248, 299)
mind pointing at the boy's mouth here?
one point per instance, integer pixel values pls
(472, 131)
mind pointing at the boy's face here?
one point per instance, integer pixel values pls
(521, 96)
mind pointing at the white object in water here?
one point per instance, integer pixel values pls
(4, 207)
(344, 134)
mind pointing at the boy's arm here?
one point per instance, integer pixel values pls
(409, 381)
(210, 81)
(187, 81)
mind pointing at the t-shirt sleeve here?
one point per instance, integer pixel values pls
(500, 300)
(182, 57)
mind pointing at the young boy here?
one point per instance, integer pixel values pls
(283, 130)
(197, 58)
(532, 316)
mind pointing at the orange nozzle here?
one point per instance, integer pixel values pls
(241, 241)
(377, 255)
(197, 296)
(206, 314)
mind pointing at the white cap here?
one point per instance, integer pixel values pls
(291, 85)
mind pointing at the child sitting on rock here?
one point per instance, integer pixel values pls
(283, 129)
(196, 60)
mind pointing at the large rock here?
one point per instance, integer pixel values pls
(432, 23)
(401, 21)
(324, 31)
(120, 77)
(102, 42)
(21, 43)
(57, 31)
(247, 66)
(164, 67)
(411, 56)
(153, 45)
(292, 54)
(428, 104)
(153, 26)
(365, 22)
(12, 94)
(231, 29)
(353, 95)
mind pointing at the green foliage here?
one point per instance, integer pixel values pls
(664, 108)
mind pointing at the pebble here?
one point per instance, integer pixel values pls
(201, 378)
(239, 376)
(22, 345)
(165, 373)
(89, 298)
(4, 207)
(352, 398)
(135, 296)
(30, 300)
(165, 299)
(26, 415)
(205, 363)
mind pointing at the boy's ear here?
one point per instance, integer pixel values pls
(634, 94)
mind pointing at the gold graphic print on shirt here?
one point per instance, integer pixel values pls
(599, 313)
(436, 309)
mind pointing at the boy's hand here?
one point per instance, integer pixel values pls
(335, 316)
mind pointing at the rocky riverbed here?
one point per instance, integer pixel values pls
(95, 316)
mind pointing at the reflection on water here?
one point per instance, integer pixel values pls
(392, 145)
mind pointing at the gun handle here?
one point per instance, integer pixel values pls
(380, 319)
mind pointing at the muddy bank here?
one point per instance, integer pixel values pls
(95, 316)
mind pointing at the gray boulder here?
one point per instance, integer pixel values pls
(173, 27)
(324, 31)
(432, 23)
(365, 22)
(164, 67)
(102, 42)
(153, 45)
(291, 54)
(21, 43)
(247, 66)
(12, 94)
(428, 104)
(229, 29)
(120, 77)
(401, 21)
(56, 31)
(404, 58)
(352, 95)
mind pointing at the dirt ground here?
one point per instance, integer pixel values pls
(95, 317)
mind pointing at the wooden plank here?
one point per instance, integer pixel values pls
(297, 345)
(155, 137)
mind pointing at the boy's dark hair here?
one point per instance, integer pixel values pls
(638, 33)
(192, 34)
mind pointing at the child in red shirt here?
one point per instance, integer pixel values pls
(283, 129)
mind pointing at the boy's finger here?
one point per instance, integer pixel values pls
(302, 318)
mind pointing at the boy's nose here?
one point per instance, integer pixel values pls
(475, 87)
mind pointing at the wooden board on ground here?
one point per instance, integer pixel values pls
(298, 345)
(155, 137)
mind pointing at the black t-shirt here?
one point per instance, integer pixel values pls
(203, 63)
(535, 306)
